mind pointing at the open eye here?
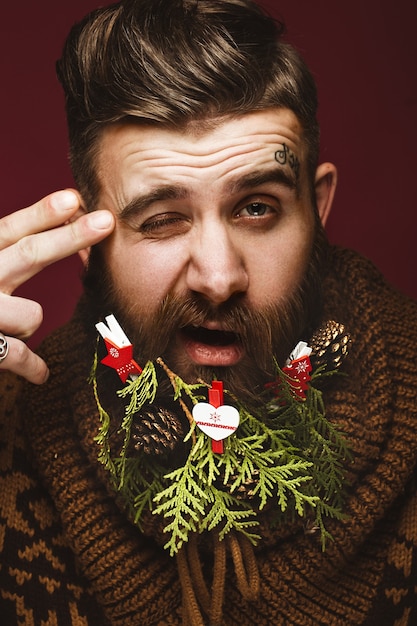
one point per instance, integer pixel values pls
(255, 209)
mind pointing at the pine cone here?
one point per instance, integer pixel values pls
(330, 345)
(245, 491)
(155, 430)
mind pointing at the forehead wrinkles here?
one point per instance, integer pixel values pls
(217, 164)
(222, 141)
(139, 155)
(211, 165)
(131, 142)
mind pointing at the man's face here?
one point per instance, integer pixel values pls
(209, 219)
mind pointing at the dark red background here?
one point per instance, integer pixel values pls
(363, 54)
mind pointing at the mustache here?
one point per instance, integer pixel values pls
(235, 321)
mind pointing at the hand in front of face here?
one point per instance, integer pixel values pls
(31, 239)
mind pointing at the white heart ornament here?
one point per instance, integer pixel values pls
(218, 423)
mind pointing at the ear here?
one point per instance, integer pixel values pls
(325, 187)
(84, 255)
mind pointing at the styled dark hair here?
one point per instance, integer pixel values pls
(171, 62)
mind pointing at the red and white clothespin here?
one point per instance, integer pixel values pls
(215, 419)
(119, 349)
(298, 369)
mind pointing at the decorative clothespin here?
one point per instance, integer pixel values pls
(119, 349)
(215, 419)
(298, 369)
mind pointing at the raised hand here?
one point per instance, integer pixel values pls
(30, 239)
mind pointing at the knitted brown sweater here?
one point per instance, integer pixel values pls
(69, 556)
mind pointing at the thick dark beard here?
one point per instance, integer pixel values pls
(265, 334)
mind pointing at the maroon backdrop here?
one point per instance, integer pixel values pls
(363, 55)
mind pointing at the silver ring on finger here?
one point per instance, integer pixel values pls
(4, 347)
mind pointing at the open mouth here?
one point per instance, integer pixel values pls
(212, 347)
(199, 334)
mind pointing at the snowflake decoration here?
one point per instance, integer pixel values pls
(215, 417)
(302, 367)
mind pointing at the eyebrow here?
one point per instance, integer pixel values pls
(178, 192)
(262, 177)
(141, 202)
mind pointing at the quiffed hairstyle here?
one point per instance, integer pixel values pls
(171, 62)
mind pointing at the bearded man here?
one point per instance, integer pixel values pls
(228, 432)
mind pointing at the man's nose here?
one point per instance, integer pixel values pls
(216, 267)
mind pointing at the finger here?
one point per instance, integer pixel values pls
(30, 255)
(49, 212)
(19, 317)
(22, 361)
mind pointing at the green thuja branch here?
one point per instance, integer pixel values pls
(182, 501)
(142, 390)
(319, 441)
(141, 484)
(193, 503)
(101, 438)
(228, 513)
(289, 456)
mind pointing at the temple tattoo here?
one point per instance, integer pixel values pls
(284, 156)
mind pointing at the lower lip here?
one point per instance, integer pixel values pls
(213, 356)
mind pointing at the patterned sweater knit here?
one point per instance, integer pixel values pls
(69, 556)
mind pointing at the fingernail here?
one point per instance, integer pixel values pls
(101, 220)
(64, 200)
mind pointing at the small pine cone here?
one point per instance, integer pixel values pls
(246, 490)
(330, 345)
(155, 430)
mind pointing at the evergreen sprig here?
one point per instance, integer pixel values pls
(195, 503)
(292, 457)
(102, 438)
